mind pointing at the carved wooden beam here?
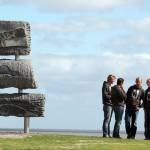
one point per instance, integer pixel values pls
(22, 105)
(16, 74)
(14, 38)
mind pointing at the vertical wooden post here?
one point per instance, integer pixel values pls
(16, 57)
(26, 124)
(26, 119)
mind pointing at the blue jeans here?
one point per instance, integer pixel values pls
(131, 122)
(108, 110)
(147, 123)
(118, 110)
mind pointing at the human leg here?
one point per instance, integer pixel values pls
(118, 110)
(134, 123)
(107, 118)
(128, 121)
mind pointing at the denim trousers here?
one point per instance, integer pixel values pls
(108, 110)
(131, 116)
(147, 123)
(118, 110)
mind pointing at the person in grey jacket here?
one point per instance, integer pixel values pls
(107, 104)
(118, 97)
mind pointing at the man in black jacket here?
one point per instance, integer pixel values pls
(146, 103)
(135, 95)
(107, 104)
(118, 96)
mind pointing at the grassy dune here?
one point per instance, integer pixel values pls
(60, 142)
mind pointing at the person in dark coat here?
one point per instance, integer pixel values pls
(107, 104)
(118, 97)
(146, 104)
(135, 95)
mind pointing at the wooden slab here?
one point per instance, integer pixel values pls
(22, 105)
(16, 74)
(14, 38)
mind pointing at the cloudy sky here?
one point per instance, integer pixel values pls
(75, 45)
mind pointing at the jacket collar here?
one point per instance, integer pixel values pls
(137, 87)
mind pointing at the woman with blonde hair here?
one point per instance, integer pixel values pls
(107, 104)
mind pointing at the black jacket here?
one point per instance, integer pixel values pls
(134, 97)
(106, 93)
(118, 96)
(146, 102)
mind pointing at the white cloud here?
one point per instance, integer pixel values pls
(82, 5)
(76, 24)
(143, 24)
(131, 34)
(75, 5)
(90, 69)
(93, 23)
(136, 42)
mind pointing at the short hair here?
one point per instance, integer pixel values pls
(110, 77)
(139, 79)
(120, 81)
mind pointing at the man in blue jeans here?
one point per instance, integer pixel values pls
(118, 96)
(107, 104)
(135, 95)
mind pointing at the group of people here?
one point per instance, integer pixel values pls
(115, 99)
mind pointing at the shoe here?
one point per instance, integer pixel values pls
(109, 136)
(132, 137)
(105, 136)
(118, 137)
(147, 139)
(128, 136)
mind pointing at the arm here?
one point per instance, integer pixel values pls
(106, 92)
(121, 93)
(128, 94)
(142, 99)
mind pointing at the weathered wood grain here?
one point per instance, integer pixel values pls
(22, 105)
(14, 38)
(16, 74)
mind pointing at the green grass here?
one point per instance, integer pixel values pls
(67, 142)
